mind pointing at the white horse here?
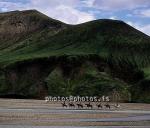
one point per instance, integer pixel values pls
(117, 105)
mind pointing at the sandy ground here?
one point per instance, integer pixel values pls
(18, 113)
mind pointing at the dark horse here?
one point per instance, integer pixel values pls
(89, 105)
(64, 104)
(107, 106)
(71, 105)
(99, 106)
(80, 105)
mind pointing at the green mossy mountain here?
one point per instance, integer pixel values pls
(41, 56)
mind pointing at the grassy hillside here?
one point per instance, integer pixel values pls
(113, 47)
(101, 37)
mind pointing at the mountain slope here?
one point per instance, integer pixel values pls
(110, 46)
(18, 25)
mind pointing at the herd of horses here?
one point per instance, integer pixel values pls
(89, 105)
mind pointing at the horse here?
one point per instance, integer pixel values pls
(79, 105)
(89, 105)
(117, 105)
(107, 106)
(71, 105)
(99, 106)
(64, 104)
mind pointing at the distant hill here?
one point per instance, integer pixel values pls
(41, 56)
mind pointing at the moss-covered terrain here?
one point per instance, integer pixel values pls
(48, 57)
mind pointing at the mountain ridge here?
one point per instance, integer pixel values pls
(79, 53)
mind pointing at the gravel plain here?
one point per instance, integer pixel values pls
(18, 113)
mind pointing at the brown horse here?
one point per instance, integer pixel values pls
(99, 106)
(89, 105)
(64, 104)
(107, 106)
(71, 105)
(79, 105)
